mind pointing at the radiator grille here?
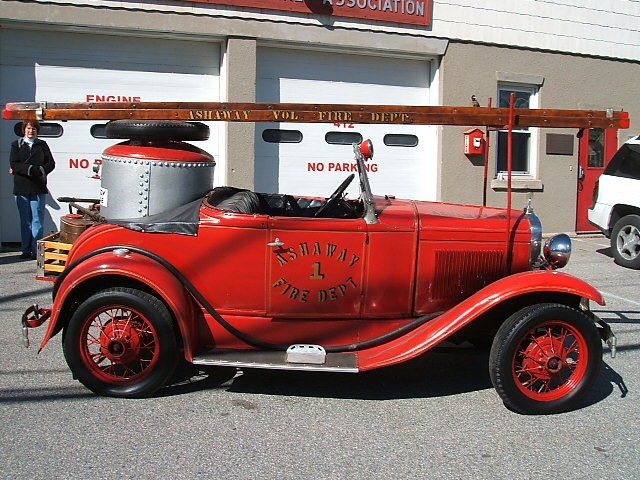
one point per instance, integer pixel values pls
(459, 274)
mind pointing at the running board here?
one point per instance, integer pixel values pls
(334, 362)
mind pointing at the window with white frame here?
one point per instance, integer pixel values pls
(523, 161)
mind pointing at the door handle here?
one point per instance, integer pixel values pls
(580, 172)
(276, 243)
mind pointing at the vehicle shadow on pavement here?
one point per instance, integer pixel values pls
(605, 251)
(604, 386)
(435, 374)
(45, 394)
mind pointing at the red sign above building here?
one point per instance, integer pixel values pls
(413, 12)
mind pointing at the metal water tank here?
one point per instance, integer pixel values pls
(142, 178)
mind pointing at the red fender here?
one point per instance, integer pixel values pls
(435, 331)
(135, 266)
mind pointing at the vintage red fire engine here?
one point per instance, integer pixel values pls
(173, 271)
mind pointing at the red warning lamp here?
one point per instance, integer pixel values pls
(366, 147)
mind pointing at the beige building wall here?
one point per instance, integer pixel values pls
(240, 59)
(568, 82)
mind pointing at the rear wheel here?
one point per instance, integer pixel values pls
(625, 241)
(121, 342)
(544, 358)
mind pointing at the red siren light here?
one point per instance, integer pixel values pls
(366, 147)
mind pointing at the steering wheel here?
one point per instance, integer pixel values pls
(335, 196)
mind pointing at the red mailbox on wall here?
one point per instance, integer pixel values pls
(473, 142)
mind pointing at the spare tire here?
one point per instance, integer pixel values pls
(157, 130)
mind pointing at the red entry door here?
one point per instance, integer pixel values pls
(597, 146)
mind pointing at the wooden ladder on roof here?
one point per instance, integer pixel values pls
(318, 113)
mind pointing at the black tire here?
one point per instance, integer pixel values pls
(121, 342)
(544, 358)
(157, 130)
(625, 241)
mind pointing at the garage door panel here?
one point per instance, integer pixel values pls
(73, 67)
(110, 52)
(337, 67)
(315, 167)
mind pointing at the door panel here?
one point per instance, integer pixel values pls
(597, 146)
(316, 272)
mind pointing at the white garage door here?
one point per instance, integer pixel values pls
(314, 158)
(71, 67)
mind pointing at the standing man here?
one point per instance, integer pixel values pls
(31, 162)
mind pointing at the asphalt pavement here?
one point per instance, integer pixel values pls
(437, 417)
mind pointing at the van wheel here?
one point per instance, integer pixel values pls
(625, 241)
(544, 359)
(157, 130)
(121, 342)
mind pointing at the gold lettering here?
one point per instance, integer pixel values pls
(282, 115)
(391, 117)
(335, 116)
(304, 249)
(280, 281)
(281, 260)
(316, 274)
(294, 293)
(343, 255)
(355, 258)
(331, 248)
(317, 250)
(222, 115)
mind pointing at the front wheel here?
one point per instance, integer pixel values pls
(625, 241)
(121, 342)
(544, 358)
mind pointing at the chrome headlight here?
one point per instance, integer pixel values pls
(536, 235)
(557, 250)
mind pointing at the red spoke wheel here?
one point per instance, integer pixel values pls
(121, 342)
(544, 359)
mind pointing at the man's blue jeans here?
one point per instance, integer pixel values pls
(31, 210)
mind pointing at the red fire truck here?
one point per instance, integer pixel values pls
(168, 271)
